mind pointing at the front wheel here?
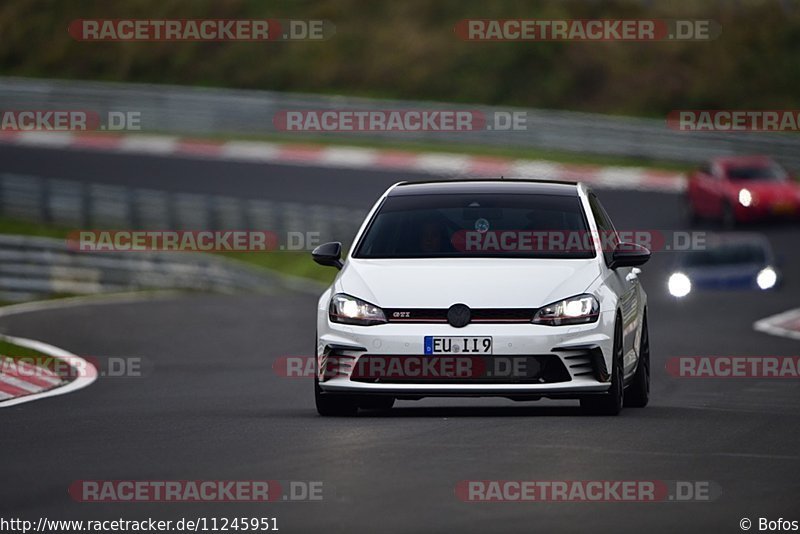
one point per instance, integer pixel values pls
(691, 213)
(611, 402)
(638, 393)
(728, 220)
(329, 404)
(376, 402)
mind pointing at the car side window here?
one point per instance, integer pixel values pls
(608, 234)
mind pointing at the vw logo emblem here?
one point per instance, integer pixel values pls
(459, 315)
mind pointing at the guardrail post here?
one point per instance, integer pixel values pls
(133, 209)
(44, 199)
(86, 205)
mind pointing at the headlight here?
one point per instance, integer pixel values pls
(745, 198)
(767, 278)
(679, 285)
(576, 310)
(350, 310)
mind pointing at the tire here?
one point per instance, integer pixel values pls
(376, 402)
(610, 403)
(728, 220)
(332, 405)
(691, 214)
(638, 392)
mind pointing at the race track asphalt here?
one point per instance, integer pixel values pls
(211, 407)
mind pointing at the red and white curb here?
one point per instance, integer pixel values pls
(436, 163)
(21, 382)
(19, 378)
(28, 390)
(86, 372)
(786, 324)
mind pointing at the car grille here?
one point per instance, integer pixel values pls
(478, 315)
(459, 369)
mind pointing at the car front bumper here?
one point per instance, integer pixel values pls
(764, 211)
(584, 351)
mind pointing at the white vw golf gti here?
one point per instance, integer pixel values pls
(470, 288)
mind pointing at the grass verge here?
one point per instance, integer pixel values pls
(17, 352)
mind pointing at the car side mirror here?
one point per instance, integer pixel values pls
(329, 254)
(629, 255)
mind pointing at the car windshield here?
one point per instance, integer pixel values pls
(773, 172)
(727, 254)
(478, 225)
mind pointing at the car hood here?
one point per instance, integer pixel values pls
(476, 282)
(724, 276)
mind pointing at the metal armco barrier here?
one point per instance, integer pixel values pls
(203, 111)
(35, 267)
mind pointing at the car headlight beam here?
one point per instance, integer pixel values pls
(745, 198)
(767, 278)
(679, 285)
(345, 309)
(581, 309)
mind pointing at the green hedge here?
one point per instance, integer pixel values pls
(407, 49)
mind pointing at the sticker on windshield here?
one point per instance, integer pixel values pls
(482, 225)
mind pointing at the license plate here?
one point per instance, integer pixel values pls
(458, 345)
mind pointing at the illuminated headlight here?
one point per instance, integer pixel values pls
(767, 278)
(576, 310)
(350, 310)
(745, 198)
(679, 285)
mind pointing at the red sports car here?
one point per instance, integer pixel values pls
(742, 189)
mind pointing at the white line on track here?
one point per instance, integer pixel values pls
(774, 324)
(88, 373)
(72, 302)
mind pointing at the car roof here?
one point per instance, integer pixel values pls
(737, 238)
(497, 186)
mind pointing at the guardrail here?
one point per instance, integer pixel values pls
(73, 204)
(204, 111)
(35, 267)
